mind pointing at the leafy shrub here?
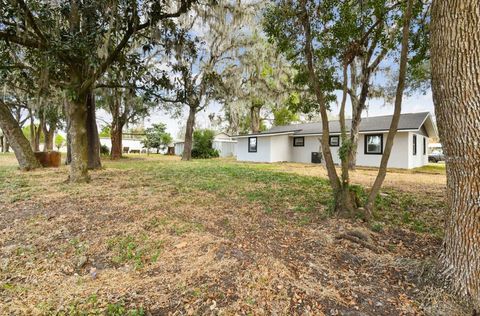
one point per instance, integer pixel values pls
(104, 150)
(203, 144)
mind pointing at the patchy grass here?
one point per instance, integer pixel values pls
(433, 168)
(154, 235)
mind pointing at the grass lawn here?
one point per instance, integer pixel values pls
(157, 236)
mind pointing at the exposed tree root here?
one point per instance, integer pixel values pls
(351, 237)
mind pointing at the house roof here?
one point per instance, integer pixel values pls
(408, 122)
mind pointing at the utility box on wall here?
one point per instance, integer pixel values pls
(316, 157)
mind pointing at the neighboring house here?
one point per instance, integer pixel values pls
(222, 142)
(435, 147)
(134, 144)
(301, 142)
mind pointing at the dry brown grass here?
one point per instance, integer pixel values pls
(154, 236)
(412, 181)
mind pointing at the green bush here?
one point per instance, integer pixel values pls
(104, 150)
(203, 144)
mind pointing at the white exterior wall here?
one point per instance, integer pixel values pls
(263, 150)
(178, 149)
(280, 148)
(304, 154)
(226, 148)
(418, 160)
(398, 156)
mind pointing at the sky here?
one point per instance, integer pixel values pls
(376, 107)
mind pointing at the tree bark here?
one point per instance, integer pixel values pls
(49, 136)
(116, 138)
(187, 146)
(94, 161)
(32, 129)
(455, 42)
(382, 170)
(118, 121)
(77, 113)
(21, 147)
(48, 128)
(255, 120)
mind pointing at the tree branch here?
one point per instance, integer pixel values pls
(31, 20)
(21, 40)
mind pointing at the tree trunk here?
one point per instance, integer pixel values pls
(187, 146)
(382, 171)
(77, 113)
(117, 127)
(32, 130)
(94, 161)
(455, 41)
(38, 134)
(116, 138)
(343, 203)
(21, 147)
(49, 136)
(68, 158)
(2, 144)
(255, 120)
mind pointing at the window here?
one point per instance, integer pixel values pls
(334, 141)
(414, 145)
(374, 144)
(424, 145)
(252, 144)
(298, 141)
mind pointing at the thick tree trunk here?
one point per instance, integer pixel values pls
(382, 171)
(94, 161)
(21, 147)
(116, 138)
(187, 146)
(255, 120)
(77, 113)
(455, 34)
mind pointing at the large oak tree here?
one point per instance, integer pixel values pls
(80, 40)
(455, 58)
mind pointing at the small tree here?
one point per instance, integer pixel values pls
(157, 137)
(59, 141)
(203, 144)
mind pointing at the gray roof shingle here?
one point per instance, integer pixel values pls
(369, 124)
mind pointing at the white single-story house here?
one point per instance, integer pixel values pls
(435, 147)
(134, 144)
(222, 142)
(301, 142)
